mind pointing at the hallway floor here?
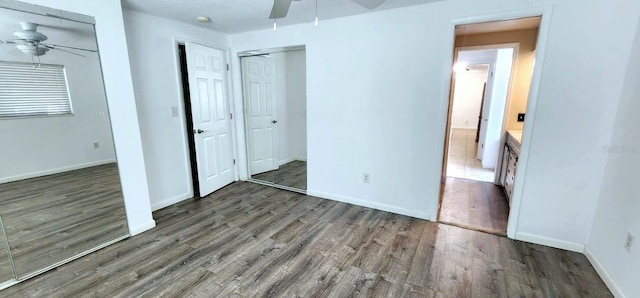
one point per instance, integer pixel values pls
(462, 161)
(476, 205)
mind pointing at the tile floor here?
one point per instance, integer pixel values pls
(462, 161)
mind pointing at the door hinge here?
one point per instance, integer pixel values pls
(231, 116)
(227, 66)
(234, 161)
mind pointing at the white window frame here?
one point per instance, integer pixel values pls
(64, 99)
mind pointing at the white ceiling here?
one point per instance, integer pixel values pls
(234, 16)
(490, 27)
(475, 57)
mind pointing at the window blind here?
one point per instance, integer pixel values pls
(26, 90)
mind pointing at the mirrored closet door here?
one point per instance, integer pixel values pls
(60, 193)
(274, 92)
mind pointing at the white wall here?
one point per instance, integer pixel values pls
(290, 76)
(496, 106)
(374, 108)
(37, 146)
(467, 98)
(279, 67)
(120, 97)
(297, 95)
(618, 210)
(157, 84)
(290, 83)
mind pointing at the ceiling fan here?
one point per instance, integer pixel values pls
(281, 7)
(30, 41)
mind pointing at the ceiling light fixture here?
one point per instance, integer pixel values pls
(275, 25)
(203, 19)
(316, 13)
(460, 66)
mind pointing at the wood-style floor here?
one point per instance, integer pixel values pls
(249, 240)
(6, 272)
(52, 218)
(292, 174)
(476, 205)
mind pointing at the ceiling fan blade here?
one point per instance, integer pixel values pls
(370, 4)
(62, 50)
(280, 9)
(7, 42)
(66, 47)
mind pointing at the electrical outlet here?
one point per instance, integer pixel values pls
(96, 145)
(365, 178)
(629, 242)
(174, 111)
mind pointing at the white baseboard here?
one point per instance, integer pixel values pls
(465, 128)
(552, 242)
(56, 171)
(611, 284)
(369, 204)
(286, 161)
(142, 228)
(302, 158)
(171, 201)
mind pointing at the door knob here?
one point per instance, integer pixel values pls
(199, 131)
(274, 121)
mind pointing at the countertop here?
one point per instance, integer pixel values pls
(514, 139)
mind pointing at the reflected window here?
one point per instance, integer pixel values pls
(28, 89)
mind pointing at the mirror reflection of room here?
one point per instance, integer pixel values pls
(275, 103)
(60, 193)
(6, 269)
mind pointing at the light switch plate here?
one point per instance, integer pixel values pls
(174, 111)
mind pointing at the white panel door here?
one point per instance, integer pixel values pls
(260, 112)
(211, 118)
(486, 108)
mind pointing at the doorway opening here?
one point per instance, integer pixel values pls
(204, 73)
(492, 72)
(184, 76)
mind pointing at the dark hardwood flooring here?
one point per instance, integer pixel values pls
(476, 205)
(6, 272)
(249, 240)
(51, 218)
(292, 174)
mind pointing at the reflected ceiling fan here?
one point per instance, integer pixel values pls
(281, 7)
(30, 41)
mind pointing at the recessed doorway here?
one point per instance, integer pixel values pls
(492, 71)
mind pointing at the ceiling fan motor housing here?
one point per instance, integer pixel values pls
(31, 49)
(29, 33)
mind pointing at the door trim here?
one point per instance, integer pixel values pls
(175, 42)
(541, 47)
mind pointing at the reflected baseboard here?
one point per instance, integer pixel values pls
(166, 203)
(142, 228)
(302, 191)
(286, 161)
(56, 171)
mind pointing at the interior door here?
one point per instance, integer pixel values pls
(485, 111)
(211, 117)
(260, 112)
